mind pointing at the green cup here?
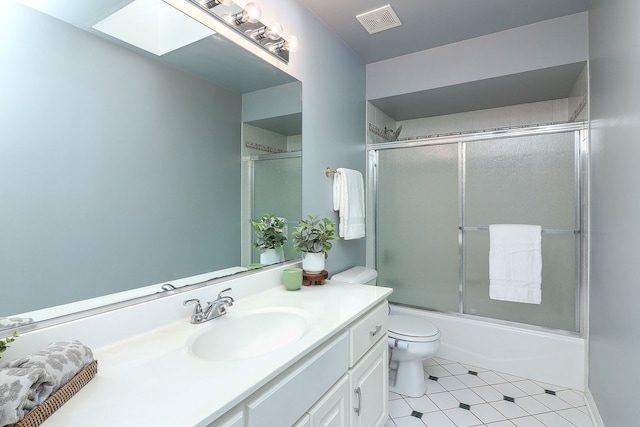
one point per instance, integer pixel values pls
(292, 278)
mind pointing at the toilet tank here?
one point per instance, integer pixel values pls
(359, 274)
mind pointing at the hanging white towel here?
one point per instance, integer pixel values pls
(515, 263)
(348, 198)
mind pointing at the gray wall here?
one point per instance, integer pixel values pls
(614, 338)
(333, 118)
(110, 167)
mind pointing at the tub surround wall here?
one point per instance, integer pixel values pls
(547, 357)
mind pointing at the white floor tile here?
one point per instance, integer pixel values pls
(509, 377)
(456, 369)
(576, 416)
(488, 393)
(399, 408)
(444, 400)
(486, 413)
(528, 387)
(527, 422)
(509, 409)
(471, 380)
(429, 362)
(390, 423)
(531, 405)
(394, 396)
(551, 387)
(501, 424)
(462, 417)
(467, 396)
(451, 383)
(508, 389)
(437, 419)
(573, 398)
(437, 371)
(475, 368)
(551, 419)
(408, 422)
(434, 387)
(552, 402)
(491, 377)
(442, 361)
(422, 404)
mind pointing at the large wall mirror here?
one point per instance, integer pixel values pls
(121, 169)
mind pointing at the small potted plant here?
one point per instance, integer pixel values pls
(271, 234)
(4, 343)
(313, 238)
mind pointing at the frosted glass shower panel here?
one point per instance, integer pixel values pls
(522, 180)
(277, 190)
(417, 225)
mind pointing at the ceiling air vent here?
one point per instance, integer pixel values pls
(379, 19)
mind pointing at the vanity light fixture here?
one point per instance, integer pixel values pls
(274, 32)
(247, 22)
(291, 45)
(251, 14)
(209, 4)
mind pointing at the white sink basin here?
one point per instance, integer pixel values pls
(247, 335)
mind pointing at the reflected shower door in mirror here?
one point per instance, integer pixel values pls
(120, 169)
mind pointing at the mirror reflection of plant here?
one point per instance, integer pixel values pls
(271, 232)
(5, 341)
(314, 235)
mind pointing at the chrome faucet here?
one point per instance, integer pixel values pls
(214, 309)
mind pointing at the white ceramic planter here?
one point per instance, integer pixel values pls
(271, 256)
(313, 262)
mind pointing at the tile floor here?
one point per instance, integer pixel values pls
(461, 395)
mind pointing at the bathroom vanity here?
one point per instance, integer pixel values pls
(321, 356)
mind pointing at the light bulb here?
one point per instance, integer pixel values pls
(293, 44)
(273, 31)
(251, 13)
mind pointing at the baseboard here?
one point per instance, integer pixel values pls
(593, 409)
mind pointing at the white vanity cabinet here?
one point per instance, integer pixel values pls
(344, 383)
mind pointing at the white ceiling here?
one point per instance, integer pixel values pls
(430, 23)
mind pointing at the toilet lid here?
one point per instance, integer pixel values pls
(411, 327)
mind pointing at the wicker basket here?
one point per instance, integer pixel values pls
(57, 399)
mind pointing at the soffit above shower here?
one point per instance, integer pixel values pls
(520, 88)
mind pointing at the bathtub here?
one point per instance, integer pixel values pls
(542, 356)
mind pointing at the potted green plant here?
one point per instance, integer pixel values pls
(271, 234)
(313, 238)
(4, 343)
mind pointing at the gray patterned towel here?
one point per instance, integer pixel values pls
(21, 390)
(62, 360)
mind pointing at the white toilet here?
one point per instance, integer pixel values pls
(412, 339)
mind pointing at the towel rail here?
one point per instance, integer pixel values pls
(328, 171)
(544, 230)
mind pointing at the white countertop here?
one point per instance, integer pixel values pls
(152, 379)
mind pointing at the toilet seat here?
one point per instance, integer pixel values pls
(410, 328)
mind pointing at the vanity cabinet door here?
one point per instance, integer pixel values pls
(333, 409)
(369, 383)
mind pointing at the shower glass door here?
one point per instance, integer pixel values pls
(417, 232)
(436, 199)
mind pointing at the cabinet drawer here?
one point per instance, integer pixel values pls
(285, 401)
(367, 331)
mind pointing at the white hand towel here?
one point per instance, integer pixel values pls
(515, 263)
(21, 390)
(348, 198)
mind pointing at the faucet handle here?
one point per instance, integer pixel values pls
(231, 300)
(197, 312)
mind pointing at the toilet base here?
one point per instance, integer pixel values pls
(409, 379)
